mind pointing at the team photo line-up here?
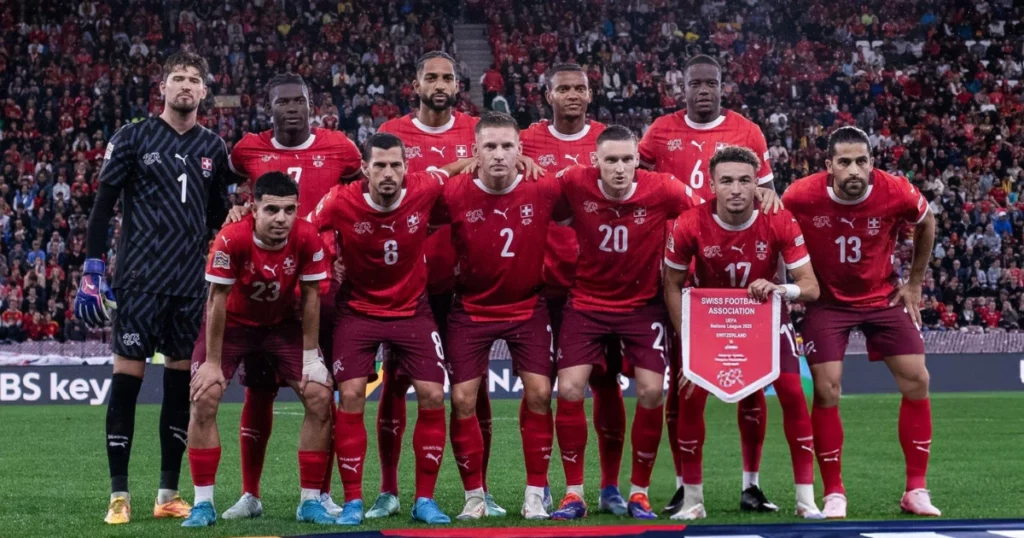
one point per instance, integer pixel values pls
(424, 243)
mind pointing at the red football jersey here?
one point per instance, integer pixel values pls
(427, 147)
(621, 241)
(316, 165)
(677, 145)
(264, 281)
(727, 256)
(852, 242)
(495, 234)
(555, 151)
(385, 274)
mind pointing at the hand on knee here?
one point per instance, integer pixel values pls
(204, 409)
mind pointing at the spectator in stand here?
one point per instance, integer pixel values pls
(931, 319)
(11, 321)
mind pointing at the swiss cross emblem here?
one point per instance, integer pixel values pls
(413, 222)
(207, 164)
(874, 225)
(762, 250)
(289, 266)
(593, 157)
(461, 151)
(526, 211)
(639, 214)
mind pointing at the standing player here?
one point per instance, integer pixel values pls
(619, 215)
(317, 159)
(497, 218)
(382, 222)
(851, 215)
(434, 136)
(568, 141)
(683, 144)
(255, 268)
(733, 245)
(169, 174)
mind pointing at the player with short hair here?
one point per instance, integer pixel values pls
(619, 215)
(382, 223)
(683, 144)
(170, 175)
(851, 215)
(733, 244)
(317, 159)
(568, 140)
(497, 219)
(264, 273)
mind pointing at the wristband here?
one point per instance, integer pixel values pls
(791, 291)
(310, 357)
(94, 266)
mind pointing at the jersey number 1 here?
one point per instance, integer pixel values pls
(183, 179)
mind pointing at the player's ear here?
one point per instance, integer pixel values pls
(476, 153)
(828, 165)
(163, 88)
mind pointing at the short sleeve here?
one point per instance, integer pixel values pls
(757, 143)
(351, 160)
(680, 247)
(679, 196)
(913, 206)
(321, 217)
(313, 259)
(238, 157)
(219, 265)
(119, 160)
(791, 242)
(648, 153)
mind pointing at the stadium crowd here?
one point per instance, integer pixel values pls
(933, 82)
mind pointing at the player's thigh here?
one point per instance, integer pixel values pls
(581, 341)
(418, 348)
(233, 349)
(356, 339)
(531, 344)
(469, 346)
(911, 374)
(180, 319)
(826, 332)
(137, 325)
(643, 334)
(890, 332)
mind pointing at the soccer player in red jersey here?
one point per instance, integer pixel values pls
(682, 144)
(256, 268)
(317, 159)
(569, 140)
(851, 215)
(619, 215)
(382, 223)
(732, 244)
(497, 219)
(435, 135)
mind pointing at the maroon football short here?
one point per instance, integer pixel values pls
(276, 351)
(641, 334)
(414, 342)
(469, 344)
(889, 332)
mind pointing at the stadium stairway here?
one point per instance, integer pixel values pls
(471, 42)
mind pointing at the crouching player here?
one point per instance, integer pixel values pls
(256, 268)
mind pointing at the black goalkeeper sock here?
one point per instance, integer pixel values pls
(124, 392)
(174, 414)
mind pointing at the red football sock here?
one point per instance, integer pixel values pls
(483, 415)
(645, 437)
(672, 422)
(752, 417)
(828, 446)
(391, 427)
(609, 414)
(428, 440)
(538, 432)
(571, 425)
(203, 463)
(325, 486)
(312, 466)
(468, 447)
(350, 448)
(915, 427)
(253, 436)
(796, 421)
(690, 436)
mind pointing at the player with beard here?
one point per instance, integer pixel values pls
(317, 159)
(170, 177)
(682, 144)
(569, 140)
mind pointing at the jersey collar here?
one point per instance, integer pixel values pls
(305, 145)
(632, 190)
(736, 227)
(265, 246)
(434, 130)
(704, 126)
(382, 209)
(569, 137)
(479, 183)
(835, 197)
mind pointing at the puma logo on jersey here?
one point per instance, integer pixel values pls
(389, 226)
(700, 145)
(738, 249)
(182, 159)
(616, 210)
(225, 240)
(574, 158)
(502, 213)
(847, 221)
(271, 270)
(439, 151)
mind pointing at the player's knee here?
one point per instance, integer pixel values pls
(431, 397)
(318, 402)
(827, 392)
(352, 400)
(914, 384)
(571, 389)
(204, 408)
(649, 396)
(538, 400)
(464, 400)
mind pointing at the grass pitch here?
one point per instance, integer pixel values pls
(54, 480)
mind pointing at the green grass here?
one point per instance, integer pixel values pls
(53, 472)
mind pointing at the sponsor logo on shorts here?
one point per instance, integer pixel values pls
(131, 339)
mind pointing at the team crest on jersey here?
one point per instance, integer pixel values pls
(250, 267)
(475, 216)
(675, 145)
(671, 244)
(413, 222)
(362, 227)
(221, 260)
(151, 158)
(762, 250)
(719, 145)
(714, 251)
(593, 158)
(546, 160)
(874, 225)
(461, 151)
(413, 152)
(207, 164)
(822, 221)
(110, 151)
(526, 213)
(268, 157)
(289, 266)
(590, 207)
(318, 160)
(639, 214)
